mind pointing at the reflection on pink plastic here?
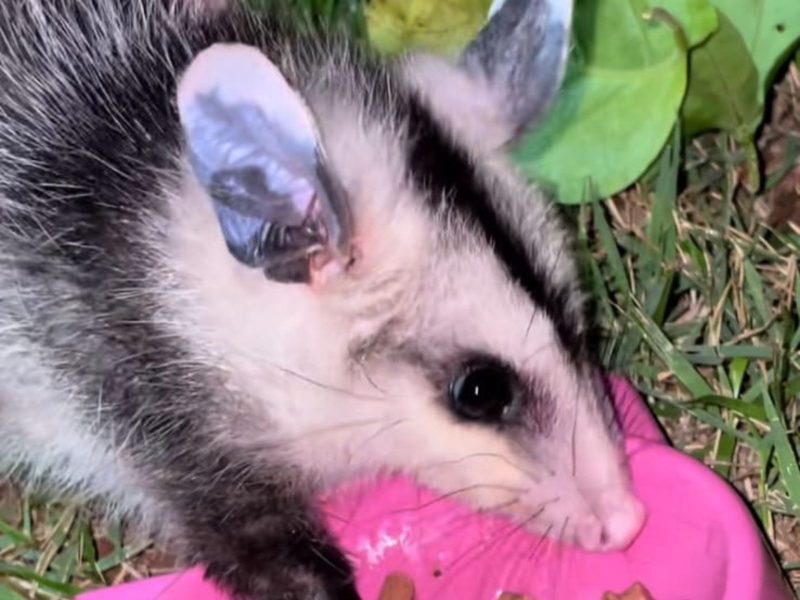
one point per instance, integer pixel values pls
(699, 542)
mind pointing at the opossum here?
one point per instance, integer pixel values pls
(243, 260)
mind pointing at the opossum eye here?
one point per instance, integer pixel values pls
(483, 391)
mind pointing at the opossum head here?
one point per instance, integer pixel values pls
(386, 290)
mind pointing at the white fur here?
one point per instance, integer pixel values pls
(284, 347)
(468, 104)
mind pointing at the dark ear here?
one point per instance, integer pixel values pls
(522, 53)
(254, 146)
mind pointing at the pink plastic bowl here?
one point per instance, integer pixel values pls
(699, 542)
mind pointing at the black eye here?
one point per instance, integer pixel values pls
(483, 392)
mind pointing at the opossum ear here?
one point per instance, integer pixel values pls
(253, 144)
(522, 54)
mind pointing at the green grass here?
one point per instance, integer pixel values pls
(699, 302)
(50, 550)
(701, 306)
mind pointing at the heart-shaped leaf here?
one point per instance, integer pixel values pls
(723, 86)
(769, 28)
(621, 98)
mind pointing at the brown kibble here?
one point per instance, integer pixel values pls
(636, 592)
(397, 587)
(509, 596)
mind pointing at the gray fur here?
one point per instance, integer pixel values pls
(523, 49)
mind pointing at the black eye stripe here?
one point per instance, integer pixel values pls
(439, 166)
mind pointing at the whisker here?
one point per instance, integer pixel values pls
(452, 493)
(378, 433)
(524, 451)
(573, 442)
(484, 510)
(535, 478)
(325, 386)
(544, 537)
(563, 530)
(540, 349)
(327, 561)
(530, 324)
(305, 378)
(498, 507)
(481, 545)
(552, 269)
(369, 379)
(503, 534)
(327, 430)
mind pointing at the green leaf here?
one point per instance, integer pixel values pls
(613, 258)
(44, 582)
(623, 90)
(597, 110)
(8, 594)
(710, 418)
(616, 34)
(738, 369)
(673, 358)
(793, 387)
(750, 410)
(726, 449)
(13, 534)
(755, 288)
(771, 30)
(697, 18)
(120, 555)
(723, 86)
(444, 26)
(787, 458)
(661, 226)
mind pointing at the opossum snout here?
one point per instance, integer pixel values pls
(617, 518)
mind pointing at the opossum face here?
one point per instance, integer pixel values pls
(393, 296)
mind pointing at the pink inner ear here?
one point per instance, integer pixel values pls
(323, 268)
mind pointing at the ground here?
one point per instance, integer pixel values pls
(695, 282)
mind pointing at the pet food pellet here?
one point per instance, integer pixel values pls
(636, 592)
(397, 587)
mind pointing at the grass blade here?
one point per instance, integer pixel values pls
(784, 451)
(43, 582)
(613, 258)
(675, 361)
(9, 594)
(16, 536)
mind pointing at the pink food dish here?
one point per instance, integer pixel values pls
(699, 541)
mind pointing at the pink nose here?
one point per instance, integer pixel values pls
(622, 522)
(618, 519)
